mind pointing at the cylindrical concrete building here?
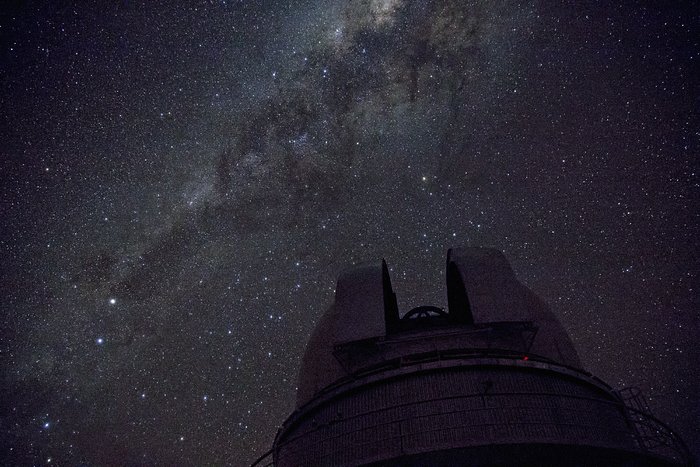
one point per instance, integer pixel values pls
(492, 381)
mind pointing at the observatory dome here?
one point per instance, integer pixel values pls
(492, 380)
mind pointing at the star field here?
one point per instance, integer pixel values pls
(182, 184)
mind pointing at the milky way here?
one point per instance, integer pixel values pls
(181, 185)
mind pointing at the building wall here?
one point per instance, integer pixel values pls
(460, 407)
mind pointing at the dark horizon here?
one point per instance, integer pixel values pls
(181, 185)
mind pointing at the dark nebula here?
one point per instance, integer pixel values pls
(181, 185)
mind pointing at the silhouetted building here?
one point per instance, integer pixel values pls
(492, 381)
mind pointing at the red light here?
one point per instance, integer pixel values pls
(526, 358)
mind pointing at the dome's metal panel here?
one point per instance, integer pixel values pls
(495, 294)
(359, 304)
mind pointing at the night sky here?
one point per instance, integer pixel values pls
(181, 185)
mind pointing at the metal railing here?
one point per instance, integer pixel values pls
(266, 460)
(653, 435)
